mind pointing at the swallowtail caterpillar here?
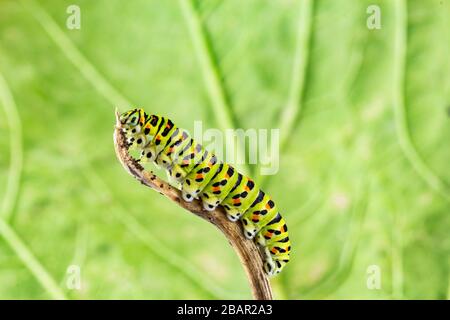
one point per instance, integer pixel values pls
(203, 176)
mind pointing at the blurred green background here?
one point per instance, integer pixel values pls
(363, 177)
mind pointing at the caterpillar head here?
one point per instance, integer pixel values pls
(133, 120)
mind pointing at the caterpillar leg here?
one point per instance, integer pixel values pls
(131, 138)
(233, 217)
(130, 141)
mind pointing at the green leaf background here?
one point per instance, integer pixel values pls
(364, 171)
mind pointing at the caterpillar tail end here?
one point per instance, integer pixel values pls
(273, 268)
(274, 265)
(269, 268)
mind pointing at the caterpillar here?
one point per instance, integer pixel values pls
(203, 176)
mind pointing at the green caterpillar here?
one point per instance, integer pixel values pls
(203, 176)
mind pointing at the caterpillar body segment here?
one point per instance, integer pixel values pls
(272, 233)
(203, 176)
(240, 198)
(261, 212)
(219, 187)
(171, 146)
(199, 177)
